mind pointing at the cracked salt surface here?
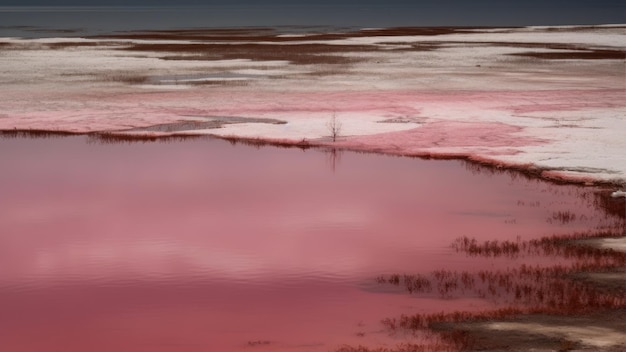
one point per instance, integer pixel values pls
(466, 96)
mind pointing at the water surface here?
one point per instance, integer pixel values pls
(201, 245)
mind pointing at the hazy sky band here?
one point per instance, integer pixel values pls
(429, 12)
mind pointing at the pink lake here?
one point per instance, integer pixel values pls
(200, 245)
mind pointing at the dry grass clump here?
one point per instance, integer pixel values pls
(527, 287)
(433, 347)
(35, 133)
(95, 137)
(564, 217)
(121, 138)
(258, 143)
(587, 258)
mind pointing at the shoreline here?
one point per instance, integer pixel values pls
(544, 174)
(547, 332)
(547, 99)
(595, 331)
(572, 327)
(508, 99)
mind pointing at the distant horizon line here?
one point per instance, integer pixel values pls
(325, 14)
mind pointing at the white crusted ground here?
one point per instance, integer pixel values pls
(566, 116)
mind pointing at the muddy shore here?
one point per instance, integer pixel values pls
(599, 330)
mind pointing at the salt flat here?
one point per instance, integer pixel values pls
(549, 99)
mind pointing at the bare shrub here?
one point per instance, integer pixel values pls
(334, 127)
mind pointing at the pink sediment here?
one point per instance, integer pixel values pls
(563, 176)
(136, 109)
(480, 125)
(442, 135)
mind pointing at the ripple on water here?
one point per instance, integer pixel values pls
(113, 245)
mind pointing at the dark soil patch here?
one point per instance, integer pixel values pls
(543, 332)
(63, 45)
(578, 55)
(296, 53)
(580, 28)
(611, 281)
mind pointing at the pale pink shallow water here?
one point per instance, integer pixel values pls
(199, 245)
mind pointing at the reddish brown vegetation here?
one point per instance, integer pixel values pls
(562, 246)
(613, 206)
(441, 347)
(526, 289)
(35, 133)
(564, 217)
(115, 138)
(258, 143)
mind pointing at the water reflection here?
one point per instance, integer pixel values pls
(333, 158)
(195, 245)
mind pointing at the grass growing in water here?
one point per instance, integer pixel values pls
(525, 289)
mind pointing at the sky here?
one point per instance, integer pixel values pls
(445, 12)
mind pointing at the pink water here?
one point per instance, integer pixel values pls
(199, 245)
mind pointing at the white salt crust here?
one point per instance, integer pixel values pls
(100, 88)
